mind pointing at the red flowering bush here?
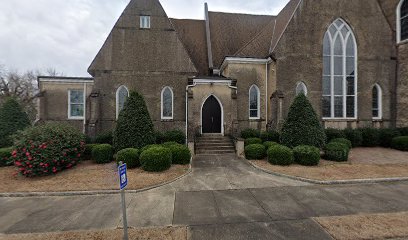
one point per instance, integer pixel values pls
(47, 149)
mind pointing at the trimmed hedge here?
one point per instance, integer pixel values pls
(269, 144)
(250, 141)
(159, 136)
(400, 143)
(387, 135)
(355, 136)
(180, 153)
(102, 153)
(148, 147)
(156, 159)
(270, 136)
(104, 138)
(130, 156)
(344, 141)
(47, 149)
(302, 126)
(5, 157)
(280, 155)
(88, 151)
(255, 152)
(12, 119)
(250, 133)
(174, 136)
(371, 137)
(403, 131)
(167, 144)
(333, 133)
(307, 155)
(336, 151)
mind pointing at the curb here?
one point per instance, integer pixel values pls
(332, 182)
(91, 193)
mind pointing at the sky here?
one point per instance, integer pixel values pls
(65, 35)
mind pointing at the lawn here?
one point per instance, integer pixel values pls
(364, 163)
(87, 176)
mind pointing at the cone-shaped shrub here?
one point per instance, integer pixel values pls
(12, 119)
(302, 127)
(134, 128)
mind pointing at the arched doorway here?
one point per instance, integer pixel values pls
(211, 116)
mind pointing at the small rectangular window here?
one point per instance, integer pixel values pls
(76, 104)
(145, 22)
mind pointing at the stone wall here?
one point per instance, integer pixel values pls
(402, 89)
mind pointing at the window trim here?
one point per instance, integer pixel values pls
(332, 75)
(117, 99)
(399, 17)
(380, 104)
(258, 103)
(304, 87)
(70, 117)
(162, 104)
(148, 22)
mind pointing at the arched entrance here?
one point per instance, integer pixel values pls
(211, 116)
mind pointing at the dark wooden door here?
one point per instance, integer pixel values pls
(211, 116)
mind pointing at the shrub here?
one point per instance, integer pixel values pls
(333, 133)
(403, 131)
(302, 127)
(355, 136)
(270, 136)
(255, 152)
(336, 151)
(180, 153)
(371, 137)
(5, 157)
(130, 156)
(280, 155)
(400, 143)
(386, 136)
(250, 141)
(134, 128)
(47, 149)
(175, 136)
(104, 138)
(148, 147)
(12, 119)
(156, 159)
(307, 155)
(250, 133)
(159, 136)
(344, 141)
(88, 151)
(269, 144)
(102, 153)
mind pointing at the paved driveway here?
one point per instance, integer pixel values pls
(223, 198)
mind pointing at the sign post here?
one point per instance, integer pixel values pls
(123, 183)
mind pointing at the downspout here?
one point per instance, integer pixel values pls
(84, 127)
(266, 94)
(187, 87)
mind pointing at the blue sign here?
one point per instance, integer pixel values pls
(122, 176)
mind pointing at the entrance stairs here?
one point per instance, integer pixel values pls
(214, 144)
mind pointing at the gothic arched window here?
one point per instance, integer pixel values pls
(254, 102)
(301, 88)
(377, 101)
(121, 95)
(402, 21)
(167, 103)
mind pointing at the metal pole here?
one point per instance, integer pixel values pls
(125, 226)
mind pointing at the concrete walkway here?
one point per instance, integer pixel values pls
(223, 198)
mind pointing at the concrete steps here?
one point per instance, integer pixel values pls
(213, 144)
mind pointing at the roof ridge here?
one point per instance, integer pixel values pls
(249, 14)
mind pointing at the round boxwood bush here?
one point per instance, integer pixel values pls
(280, 155)
(255, 152)
(270, 136)
(344, 141)
(174, 136)
(355, 136)
(403, 131)
(336, 151)
(104, 138)
(156, 159)
(148, 147)
(269, 144)
(250, 141)
(102, 153)
(180, 153)
(371, 137)
(88, 151)
(386, 136)
(307, 155)
(47, 149)
(250, 133)
(333, 133)
(130, 156)
(5, 157)
(400, 143)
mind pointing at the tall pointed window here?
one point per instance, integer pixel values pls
(402, 21)
(167, 103)
(254, 102)
(301, 88)
(339, 72)
(121, 95)
(377, 102)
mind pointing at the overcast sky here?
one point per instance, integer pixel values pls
(67, 34)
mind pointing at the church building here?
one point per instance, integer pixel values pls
(233, 71)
